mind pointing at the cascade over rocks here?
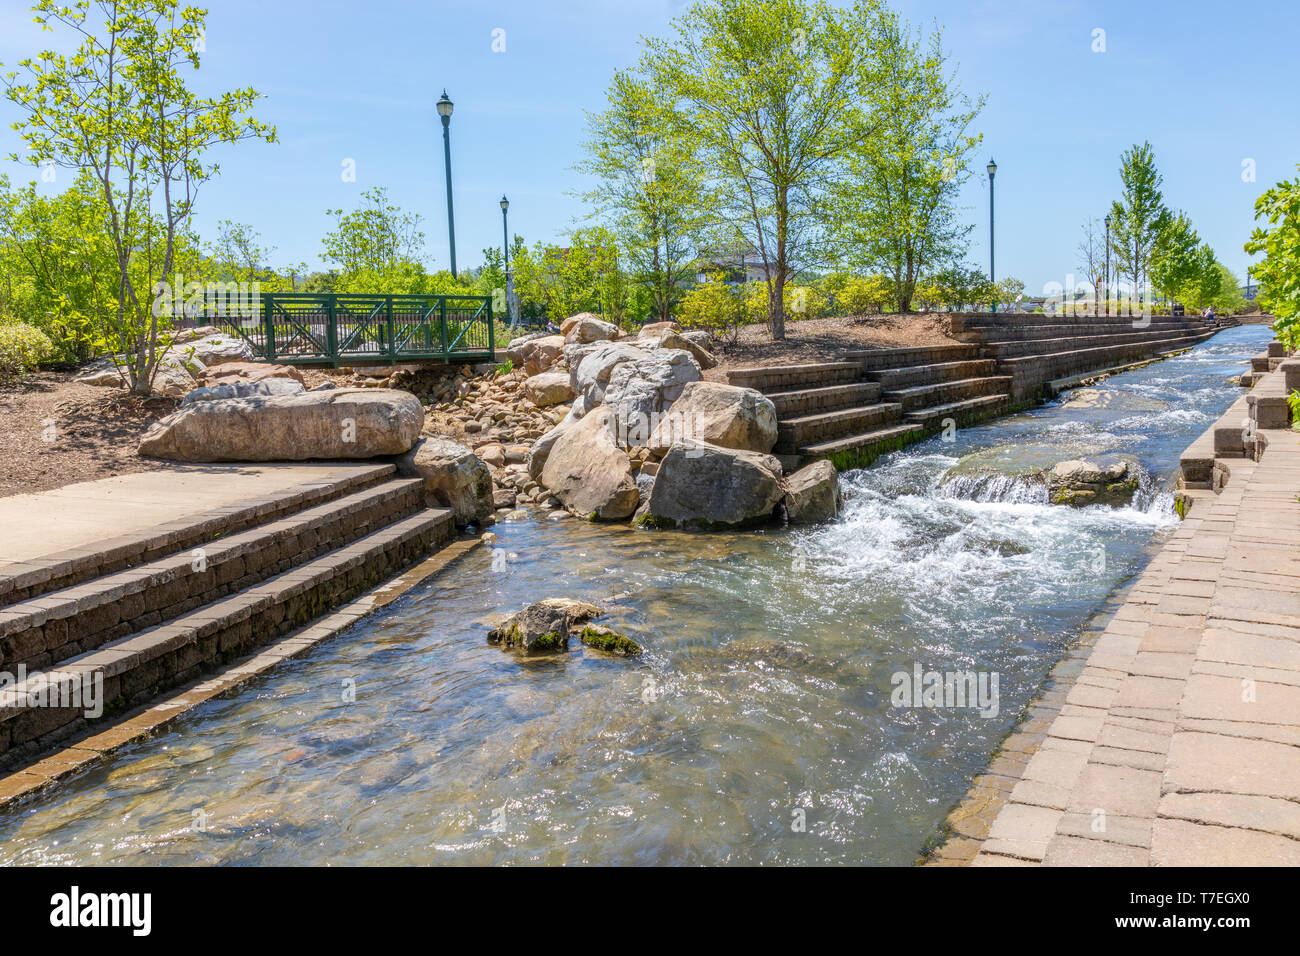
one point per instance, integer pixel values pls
(341, 423)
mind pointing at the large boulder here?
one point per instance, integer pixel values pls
(812, 494)
(540, 354)
(590, 366)
(668, 339)
(548, 388)
(175, 377)
(230, 372)
(515, 350)
(725, 415)
(341, 423)
(640, 391)
(217, 348)
(265, 388)
(541, 448)
(453, 478)
(588, 471)
(542, 627)
(588, 328)
(1078, 482)
(657, 328)
(704, 486)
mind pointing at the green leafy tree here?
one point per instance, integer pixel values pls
(1279, 271)
(1139, 217)
(960, 286)
(651, 190)
(119, 109)
(897, 207)
(378, 247)
(1176, 261)
(771, 91)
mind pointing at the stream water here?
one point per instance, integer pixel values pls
(758, 725)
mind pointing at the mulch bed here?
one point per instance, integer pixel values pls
(54, 432)
(826, 340)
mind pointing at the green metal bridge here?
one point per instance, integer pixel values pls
(346, 329)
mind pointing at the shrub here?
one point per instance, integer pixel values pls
(22, 348)
(715, 307)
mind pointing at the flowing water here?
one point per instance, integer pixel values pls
(758, 725)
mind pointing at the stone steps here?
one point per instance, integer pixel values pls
(793, 434)
(135, 668)
(22, 580)
(1016, 348)
(1033, 331)
(40, 632)
(861, 448)
(913, 375)
(806, 401)
(1031, 374)
(961, 413)
(790, 377)
(879, 359)
(940, 393)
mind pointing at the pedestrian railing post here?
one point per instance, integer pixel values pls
(268, 320)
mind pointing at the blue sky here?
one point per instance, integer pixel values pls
(1210, 85)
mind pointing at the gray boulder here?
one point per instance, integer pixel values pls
(587, 470)
(719, 414)
(453, 478)
(263, 389)
(343, 423)
(812, 494)
(704, 486)
(640, 391)
(1079, 483)
(543, 627)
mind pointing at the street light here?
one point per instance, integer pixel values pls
(992, 167)
(444, 112)
(1107, 265)
(505, 251)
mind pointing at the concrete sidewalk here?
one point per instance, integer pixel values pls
(77, 515)
(1179, 743)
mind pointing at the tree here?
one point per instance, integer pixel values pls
(1139, 217)
(896, 208)
(1279, 272)
(378, 247)
(1092, 259)
(1175, 260)
(960, 286)
(651, 190)
(1206, 279)
(771, 92)
(119, 110)
(58, 269)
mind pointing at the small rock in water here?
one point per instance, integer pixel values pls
(1081, 482)
(543, 627)
(604, 639)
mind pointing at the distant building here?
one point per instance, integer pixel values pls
(736, 264)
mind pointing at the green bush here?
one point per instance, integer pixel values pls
(716, 307)
(22, 348)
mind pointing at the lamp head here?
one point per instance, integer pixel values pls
(444, 108)
(505, 203)
(992, 167)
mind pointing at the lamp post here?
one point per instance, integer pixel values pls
(444, 113)
(505, 252)
(992, 168)
(1108, 265)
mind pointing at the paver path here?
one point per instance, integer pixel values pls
(1179, 744)
(81, 514)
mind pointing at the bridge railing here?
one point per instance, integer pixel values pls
(339, 328)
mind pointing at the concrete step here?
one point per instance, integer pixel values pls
(961, 413)
(859, 450)
(806, 401)
(1014, 348)
(135, 669)
(22, 580)
(1032, 331)
(940, 393)
(913, 375)
(876, 359)
(42, 631)
(794, 433)
(774, 378)
(1032, 373)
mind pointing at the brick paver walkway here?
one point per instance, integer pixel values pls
(1179, 743)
